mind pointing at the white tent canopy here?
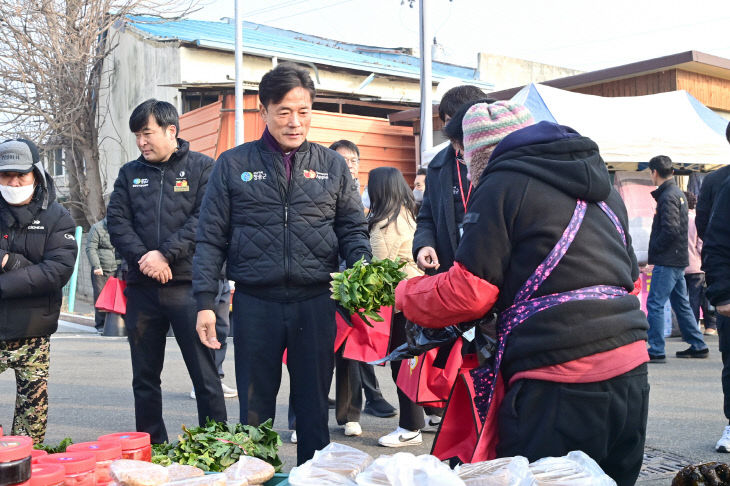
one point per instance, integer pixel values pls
(631, 130)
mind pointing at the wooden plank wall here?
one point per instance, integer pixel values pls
(646, 84)
(200, 128)
(212, 131)
(710, 91)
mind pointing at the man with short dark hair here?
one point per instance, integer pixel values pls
(280, 210)
(443, 205)
(152, 218)
(668, 252)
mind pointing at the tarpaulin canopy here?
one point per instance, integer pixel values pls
(631, 130)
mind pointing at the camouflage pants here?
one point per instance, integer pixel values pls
(30, 358)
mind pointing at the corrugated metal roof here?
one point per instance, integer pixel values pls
(267, 41)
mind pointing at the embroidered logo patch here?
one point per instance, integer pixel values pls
(181, 185)
(246, 176)
(309, 174)
(140, 182)
(323, 175)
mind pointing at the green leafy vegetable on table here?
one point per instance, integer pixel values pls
(365, 288)
(61, 447)
(216, 446)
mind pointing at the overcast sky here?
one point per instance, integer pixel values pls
(580, 34)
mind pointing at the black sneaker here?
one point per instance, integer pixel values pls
(380, 408)
(657, 358)
(693, 353)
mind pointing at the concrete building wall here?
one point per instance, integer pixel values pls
(134, 72)
(209, 66)
(507, 72)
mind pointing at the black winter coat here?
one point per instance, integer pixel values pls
(716, 249)
(43, 251)
(711, 186)
(436, 222)
(669, 243)
(156, 207)
(281, 240)
(523, 203)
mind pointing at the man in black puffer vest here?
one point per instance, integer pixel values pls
(280, 210)
(37, 256)
(668, 252)
(152, 218)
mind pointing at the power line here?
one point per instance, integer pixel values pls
(271, 8)
(308, 11)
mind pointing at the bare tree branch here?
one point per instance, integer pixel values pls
(52, 56)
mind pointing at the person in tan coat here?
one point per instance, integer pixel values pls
(392, 224)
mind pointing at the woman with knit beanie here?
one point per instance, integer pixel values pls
(545, 245)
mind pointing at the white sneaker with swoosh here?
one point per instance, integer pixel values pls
(401, 438)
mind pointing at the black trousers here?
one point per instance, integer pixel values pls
(352, 379)
(150, 313)
(410, 415)
(723, 332)
(697, 299)
(222, 330)
(262, 330)
(606, 420)
(97, 283)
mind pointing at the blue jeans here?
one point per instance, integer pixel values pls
(669, 283)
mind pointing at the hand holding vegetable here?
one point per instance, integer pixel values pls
(365, 288)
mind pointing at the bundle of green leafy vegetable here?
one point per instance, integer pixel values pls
(218, 446)
(61, 447)
(365, 288)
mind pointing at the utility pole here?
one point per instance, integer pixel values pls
(239, 71)
(426, 87)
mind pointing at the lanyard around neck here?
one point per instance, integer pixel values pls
(464, 200)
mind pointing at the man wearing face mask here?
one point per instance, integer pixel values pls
(37, 256)
(152, 218)
(445, 198)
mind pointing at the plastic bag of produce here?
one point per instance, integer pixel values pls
(251, 469)
(336, 464)
(209, 480)
(405, 469)
(127, 472)
(506, 471)
(310, 475)
(575, 469)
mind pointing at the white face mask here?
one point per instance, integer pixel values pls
(365, 198)
(16, 195)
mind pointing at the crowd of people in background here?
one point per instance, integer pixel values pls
(514, 223)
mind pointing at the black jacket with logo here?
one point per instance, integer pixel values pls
(39, 239)
(156, 207)
(281, 239)
(668, 243)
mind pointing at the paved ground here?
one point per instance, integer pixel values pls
(90, 395)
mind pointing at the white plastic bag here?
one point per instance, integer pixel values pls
(507, 471)
(575, 469)
(336, 464)
(405, 469)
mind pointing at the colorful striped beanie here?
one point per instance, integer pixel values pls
(485, 124)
